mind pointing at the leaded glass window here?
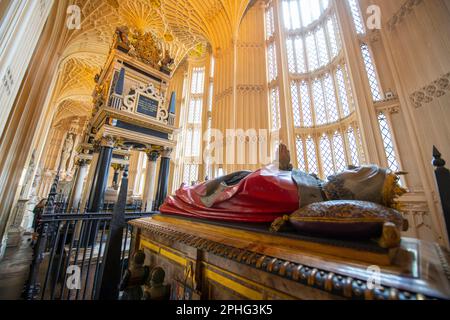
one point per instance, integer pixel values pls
(272, 62)
(296, 55)
(275, 108)
(306, 105)
(295, 104)
(343, 92)
(326, 156)
(333, 36)
(311, 156)
(322, 47)
(311, 52)
(357, 16)
(331, 103)
(319, 102)
(270, 23)
(371, 73)
(353, 147)
(388, 142)
(339, 152)
(190, 173)
(300, 154)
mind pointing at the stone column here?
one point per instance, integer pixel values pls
(150, 179)
(78, 183)
(163, 179)
(100, 181)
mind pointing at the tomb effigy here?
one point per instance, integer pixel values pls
(282, 234)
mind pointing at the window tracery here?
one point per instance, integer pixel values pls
(320, 94)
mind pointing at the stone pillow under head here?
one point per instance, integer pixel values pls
(349, 219)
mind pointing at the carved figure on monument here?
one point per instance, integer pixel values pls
(154, 288)
(121, 37)
(134, 278)
(66, 153)
(167, 62)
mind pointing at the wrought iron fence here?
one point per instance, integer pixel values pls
(73, 251)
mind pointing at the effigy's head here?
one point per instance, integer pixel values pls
(365, 183)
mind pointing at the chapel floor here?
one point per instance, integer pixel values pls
(14, 269)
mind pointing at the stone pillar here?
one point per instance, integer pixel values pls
(163, 179)
(150, 179)
(78, 183)
(100, 181)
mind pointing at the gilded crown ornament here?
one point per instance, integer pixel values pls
(144, 46)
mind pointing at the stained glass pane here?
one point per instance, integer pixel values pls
(311, 156)
(300, 154)
(388, 143)
(322, 47)
(333, 114)
(306, 105)
(339, 152)
(371, 73)
(357, 16)
(295, 104)
(326, 156)
(311, 52)
(319, 103)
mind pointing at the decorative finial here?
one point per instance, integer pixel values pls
(437, 161)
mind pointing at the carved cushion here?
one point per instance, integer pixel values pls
(346, 219)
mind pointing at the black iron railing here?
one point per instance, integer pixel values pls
(80, 256)
(73, 254)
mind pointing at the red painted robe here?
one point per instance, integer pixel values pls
(260, 197)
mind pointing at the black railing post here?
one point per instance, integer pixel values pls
(443, 183)
(111, 267)
(32, 286)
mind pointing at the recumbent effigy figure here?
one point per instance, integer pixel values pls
(359, 203)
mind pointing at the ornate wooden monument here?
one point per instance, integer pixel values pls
(131, 111)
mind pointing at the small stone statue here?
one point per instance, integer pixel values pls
(154, 288)
(134, 278)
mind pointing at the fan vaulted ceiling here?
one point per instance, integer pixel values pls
(180, 25)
